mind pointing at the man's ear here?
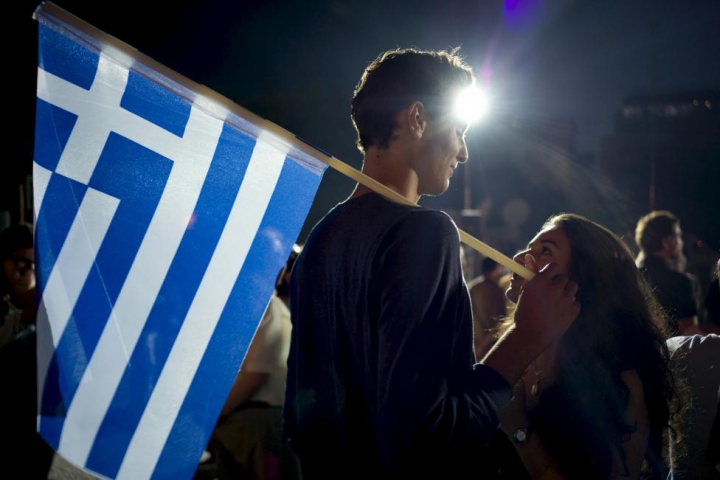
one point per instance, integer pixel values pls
(416, 118)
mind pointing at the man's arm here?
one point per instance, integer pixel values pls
(423, 303)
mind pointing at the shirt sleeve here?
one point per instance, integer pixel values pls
(431, 396)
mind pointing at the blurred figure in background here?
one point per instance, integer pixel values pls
(712, 304)
(488, 305)
(18, 361)
(282, 285)
(247, 440)
(695, 360)
(660, 238)
(17, 282)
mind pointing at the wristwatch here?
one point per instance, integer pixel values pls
(521, 435)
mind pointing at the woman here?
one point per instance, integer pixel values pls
(595, 404)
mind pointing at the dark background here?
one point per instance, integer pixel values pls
(607, 109)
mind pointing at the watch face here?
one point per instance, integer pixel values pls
(520, 435)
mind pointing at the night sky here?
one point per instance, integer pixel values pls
(296, 64)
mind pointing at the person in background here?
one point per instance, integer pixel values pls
(660, 238)
(17, 282)
(596, 403)
(282, 285)
(488, 305)
(695, 361)
(713, 451)
(18, 359)
(248, 438)
(712, 303)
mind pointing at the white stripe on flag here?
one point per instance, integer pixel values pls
(73, 265)
(76, 258)
(238, 235)
(41, 179)
(192, 156)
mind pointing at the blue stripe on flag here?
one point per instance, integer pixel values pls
(66, 59)
(126, 186)
(55, 217)
(136, 176)
(174, 299)
(53, 127)
(155, 104)
(241, 315)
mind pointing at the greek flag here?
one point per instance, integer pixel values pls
(163, 215)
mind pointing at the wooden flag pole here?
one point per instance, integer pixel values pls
(131, 58)
(466, 238)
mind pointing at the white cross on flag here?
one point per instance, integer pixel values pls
(164, 214)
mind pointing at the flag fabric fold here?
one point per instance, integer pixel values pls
(162, 218)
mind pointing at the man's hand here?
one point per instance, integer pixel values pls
(546, 306)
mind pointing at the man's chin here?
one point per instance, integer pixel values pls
(436, 191)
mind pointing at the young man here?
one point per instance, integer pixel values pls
(659, 236)
(382, 380)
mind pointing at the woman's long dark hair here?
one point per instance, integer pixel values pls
(581, 417)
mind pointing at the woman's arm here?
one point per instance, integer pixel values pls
(541, 466)
(538, 462)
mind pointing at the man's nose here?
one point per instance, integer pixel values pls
(463, 155)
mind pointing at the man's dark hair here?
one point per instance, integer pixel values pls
(399, 77)
(653, 228)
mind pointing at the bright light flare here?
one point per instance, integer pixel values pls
(472, 104)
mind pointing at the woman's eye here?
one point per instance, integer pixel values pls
(545, 251)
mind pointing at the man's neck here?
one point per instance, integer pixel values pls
(387, 166)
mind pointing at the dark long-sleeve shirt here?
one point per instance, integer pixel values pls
(674, 290)
(381, 375)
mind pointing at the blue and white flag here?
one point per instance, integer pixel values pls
(163, 217)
